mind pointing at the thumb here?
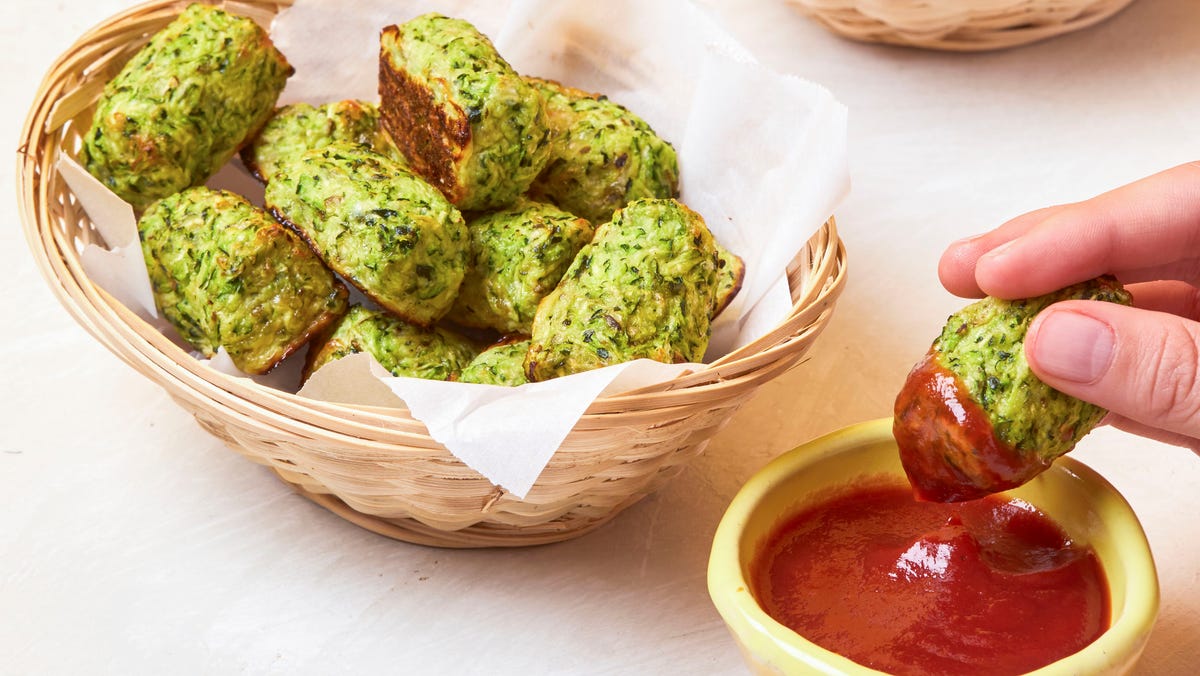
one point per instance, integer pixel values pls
(1139, 364)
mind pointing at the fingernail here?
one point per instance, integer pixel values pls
(1073, 346)
(1000, 250)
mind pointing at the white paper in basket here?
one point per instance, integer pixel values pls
(762, 157)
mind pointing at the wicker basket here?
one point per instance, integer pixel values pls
(378, 467)
(958, 25)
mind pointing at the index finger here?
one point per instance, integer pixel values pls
(1147, 230)
(956, 269)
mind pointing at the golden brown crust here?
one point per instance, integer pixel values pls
(318, 327)
(317, 342)
(434, 138)
(725, 294)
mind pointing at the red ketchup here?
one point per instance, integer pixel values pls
(984, 587)
(947, 445)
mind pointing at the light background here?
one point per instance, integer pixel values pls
(133, 542)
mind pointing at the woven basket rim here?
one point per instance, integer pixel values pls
(378, 467)
(940, 26)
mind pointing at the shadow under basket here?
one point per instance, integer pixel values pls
(378, 467)
(958, 25)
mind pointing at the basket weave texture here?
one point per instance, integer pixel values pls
(378, 467)
(958, 25)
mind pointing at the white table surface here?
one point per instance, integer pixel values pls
(133, 542)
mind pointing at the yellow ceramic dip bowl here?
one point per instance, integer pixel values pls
(1074, 496)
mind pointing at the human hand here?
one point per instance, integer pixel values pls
(1142, 363)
